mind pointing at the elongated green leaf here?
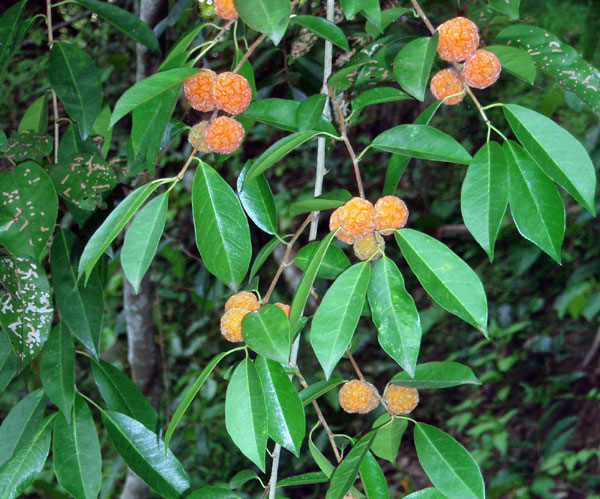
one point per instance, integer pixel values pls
(222, 232)
(310, 111)
(114, 223)
(267, 332)
(125, 22)
(81, 306)
(270, 17)
(192, 392)
(280, 113)
(336, 318)
(324, 29)
(57, 370)
(122, 395)
(35, 119)
(146, 455)
(277, 151)
(262, 256)
(484, 195)
(412, 65)
(76, 453)
(74, 77)
(142, 238)
(373, 479)
(246, 413)
(378, 95)
(310, 478)
(556, 151)
(389, 435)
(333, 264)
(421, 141)
(28, 209)
(243, 477)
(344, 475)
(535, 204)
(445, 277)
(21, 423)
(328, 201)
(322, 462)
(8, 361)
(516, 61)
(316, 390)
(508, 7)
(18, 473)
(372, 11)
(447, 463)
(285, 413)
(352, 7)
(149, 88)
(12, 32)
(438, 375)
(395, 315)
(257, 199)
(26, 306)
(306, 282)
(428, 493)
(213, 493)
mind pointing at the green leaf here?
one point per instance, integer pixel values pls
(142, 238)
(72, 144)
(257, 199)
(74, 78)
(336, 318)
(148, 89)
(352, 7)
(328, 201)
(125, 22)
(222, 232)
(122, 395)
(8, 361)
(270, 17)
(26, 306)
(310, 478)
(277, 151)
(332, 265)
(316, 390)
(428, 493)
(262, 256)
(344, 475)
(516, 61)
(437, 375)
(12, 32)
(213, 493)
(114, 223)
(445, 276)
(561, 61)
(535, 204)
(76, 452)
(423, 142)
(508, 7)
(191, 393)
(101, 129)
(388, 16)
(306, 282)
(447, 463)
(57, 370)
(412, 65)
(322, 462)
(3, 141)
(280, 113)
(81, 306)
(242, 477)
(378, 95)
(22, 469)
(310, 110)
(285, 413)
(26, 145)
(146, 455)
(395, 315)
(267, 332)
(21, 423)
(389, 435)
(246, 413)
(35, 119)
(557, 152)
(28, 212)
(372, 11)
(373, 479)
(324, 29)
(484, 195)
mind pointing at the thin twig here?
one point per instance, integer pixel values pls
(590, 355)
(54, 100)
(248, 53)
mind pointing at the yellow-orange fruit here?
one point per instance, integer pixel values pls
(231, 324)
(198, 90)
(358, 397)
(196, 136)
(284, 307)
(401, 399)
(458, 38)
(224, 135)
(357, 219)
(334, 223)
(447, 82)
(231, 92)
(243, 299)
(368, 246)
(391, 213)
(482, 69)
(225, 9)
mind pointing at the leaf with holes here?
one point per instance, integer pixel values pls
(27, 145)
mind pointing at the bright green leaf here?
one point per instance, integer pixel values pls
(332, 265)
(437, 375)
(389, 435)
(412, 65)
(35, 119)
(267, 332)
(270, 17)
(516, 61)
(324, 29)
(310, 110)
(318, 389)
(373, 479)
(257, 199)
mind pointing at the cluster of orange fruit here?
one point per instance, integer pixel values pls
(360, 397)
(458, 41)
(236, 308)
(362, 224)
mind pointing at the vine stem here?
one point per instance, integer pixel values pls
(248, 53)
(54, 100)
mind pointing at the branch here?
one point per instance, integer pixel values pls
(54, 100)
